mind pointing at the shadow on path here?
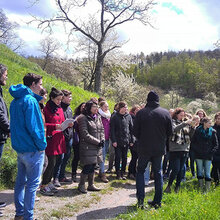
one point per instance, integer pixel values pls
(107, 213)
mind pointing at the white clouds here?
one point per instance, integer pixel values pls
(179, 25)
(188, 30)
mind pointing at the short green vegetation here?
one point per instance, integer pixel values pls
(189, 203)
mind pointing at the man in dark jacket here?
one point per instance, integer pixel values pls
(121, 126)
(152, 127)
(4, 122)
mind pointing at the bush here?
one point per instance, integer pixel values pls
(8, 170)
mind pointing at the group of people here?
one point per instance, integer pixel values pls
(43, 135)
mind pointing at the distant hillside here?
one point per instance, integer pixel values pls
(19, 66)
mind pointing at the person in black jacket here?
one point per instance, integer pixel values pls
(216, 156)
(133, 149)
(121, 126)
(4, 122)
(152, 127)
(59, 170)
(204, 144)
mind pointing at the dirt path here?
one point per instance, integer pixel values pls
(68, 203)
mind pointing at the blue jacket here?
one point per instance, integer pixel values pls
(26, 123)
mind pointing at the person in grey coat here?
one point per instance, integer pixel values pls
(91, 135)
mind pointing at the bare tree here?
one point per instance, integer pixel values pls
(110, 14)
(7, 33)
(48, 47)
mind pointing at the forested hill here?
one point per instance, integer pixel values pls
(19, 66)
(192, 74)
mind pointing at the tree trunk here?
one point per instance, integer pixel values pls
(98, 70)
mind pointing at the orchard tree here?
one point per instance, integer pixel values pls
(8, 35)
(78, 15)
(48, 47)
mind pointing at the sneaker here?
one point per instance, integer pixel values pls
(131, 176)
(74, 178)
(53, 188)
(1, 214)
(56, 183)
(37, 198)
(109, 171)
(2, 204)
(65, 180)
(45, 190)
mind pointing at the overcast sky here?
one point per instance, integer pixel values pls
(179, 25)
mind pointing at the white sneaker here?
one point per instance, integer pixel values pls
(52, 188)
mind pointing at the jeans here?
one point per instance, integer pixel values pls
(204, 167)
(104, 152)
(133, 162)
(177, 161)
(57, 166)
(66, 157)
(75, 159)
(147, 173)
(30, 167)
(165, 162)
(157, 169)
(1, 150)
(121, 154)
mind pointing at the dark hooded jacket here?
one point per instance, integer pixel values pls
(152, 127)
(4, 122)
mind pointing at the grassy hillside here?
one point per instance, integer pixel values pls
(19, 66)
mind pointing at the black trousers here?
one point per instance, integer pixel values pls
(216, 171)
(133, 162)
(48, 173)
(121, 155)
(75, 160)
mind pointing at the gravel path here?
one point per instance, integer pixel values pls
(68, 203)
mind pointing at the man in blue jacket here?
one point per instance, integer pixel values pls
(4, 122)
(28, 140)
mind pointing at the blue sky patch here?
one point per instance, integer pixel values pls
(172, 7)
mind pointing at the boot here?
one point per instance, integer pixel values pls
(103, 177)
(91, 186)
(168, 189)
(201, 185)
(81, 186)
(207, 186)
(177, 189)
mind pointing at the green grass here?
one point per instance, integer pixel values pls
(188, 204)
(18, 67)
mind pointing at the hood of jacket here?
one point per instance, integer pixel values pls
(20, 90)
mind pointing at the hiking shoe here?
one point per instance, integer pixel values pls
(45, 190)
(56, 183)
(19, 217)
(2, 204)
(153, 204)
(53, 188)
(65, 180)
